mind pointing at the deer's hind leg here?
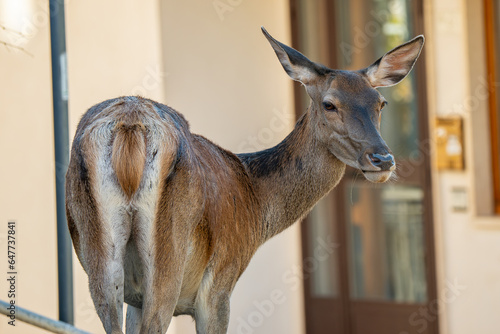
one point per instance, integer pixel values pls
(106, 274)
(161, 286)
(100, 232)
(134, 320)
(162, 243)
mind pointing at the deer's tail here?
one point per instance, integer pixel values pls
(129, 155)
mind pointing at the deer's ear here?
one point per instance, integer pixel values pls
(395, 65)
(298, 67)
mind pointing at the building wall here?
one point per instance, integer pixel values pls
(468, 243)
(27, 193)
(207, 59)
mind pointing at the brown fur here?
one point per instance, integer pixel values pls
(167, 221)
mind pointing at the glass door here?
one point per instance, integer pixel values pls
(325, 311)
(386, 240)
(381, 273)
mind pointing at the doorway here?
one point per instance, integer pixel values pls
(380, 275)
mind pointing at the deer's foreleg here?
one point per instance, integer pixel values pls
(212, 303)
(214, 318)
(100, 234)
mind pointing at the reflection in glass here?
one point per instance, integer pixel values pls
(386, 242)
(368, 29)
(323, 259)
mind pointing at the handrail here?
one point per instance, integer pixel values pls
(40, 321)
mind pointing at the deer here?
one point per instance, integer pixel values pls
(167, 221)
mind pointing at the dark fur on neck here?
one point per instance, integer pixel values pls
(292, 176)
(277, 159)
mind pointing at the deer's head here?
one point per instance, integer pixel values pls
(346, 107)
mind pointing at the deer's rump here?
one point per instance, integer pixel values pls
(124, 150)
(147, 198)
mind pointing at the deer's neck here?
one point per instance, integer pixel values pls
(291, 177)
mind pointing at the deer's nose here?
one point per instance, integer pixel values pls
(384, 162)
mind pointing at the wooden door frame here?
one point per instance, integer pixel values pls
(425, 177)
(491, 65)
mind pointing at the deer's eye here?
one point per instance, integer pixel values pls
(384, 103)
(328, 106)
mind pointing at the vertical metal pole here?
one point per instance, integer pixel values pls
(61, 148)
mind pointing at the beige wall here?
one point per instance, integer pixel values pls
(468, 243)
(27, 192)
(213, 66)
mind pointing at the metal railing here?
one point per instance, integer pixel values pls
(38, 320)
